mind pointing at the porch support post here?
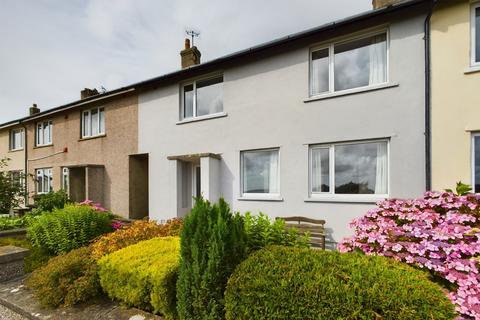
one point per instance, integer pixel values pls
(210, 178)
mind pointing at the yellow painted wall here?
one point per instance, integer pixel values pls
(455, 95)
(17, 158)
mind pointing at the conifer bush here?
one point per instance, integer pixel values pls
(212, 244)
(69, 228)
(289, 283)
(143, 275)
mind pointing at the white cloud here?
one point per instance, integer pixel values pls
(51, 49)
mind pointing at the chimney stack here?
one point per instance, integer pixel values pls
(190, 56)
(33, 110)
(85, 93)
(378, 4)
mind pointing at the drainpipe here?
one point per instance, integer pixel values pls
(428, 100)
(25, 152)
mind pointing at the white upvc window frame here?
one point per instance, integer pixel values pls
(331, 195)
(260, 196)
(44, 172)
(194, 111)
(66, 183)
(87, 130)
(473, 34)
(40, 133)
(472, 157)
(12, 139)
(331, 63)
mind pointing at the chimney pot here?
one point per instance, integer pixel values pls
(187, 43)
(85, 93)
(33, 109)
(378, 4)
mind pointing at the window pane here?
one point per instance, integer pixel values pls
(39, 134)
(320, 170)
(476, 164)
(94, 122)
(188, 101)
(361, 168)
(210, 96)
(86, 124)
(46, 133)
(39, 181)
(261, 172)
(319, 73)
(102, 120)
(361, 63)
(477, 35)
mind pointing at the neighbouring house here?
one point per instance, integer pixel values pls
(12, 147)
(455, 108)
(321, 124)
(88, 148)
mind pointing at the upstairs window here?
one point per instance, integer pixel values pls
(44, 133)
(349, 169)
(93, 122)
(476, 34)
(349, 65)
(16, 139)
(202, 98)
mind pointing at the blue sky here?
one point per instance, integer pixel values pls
(50, 50)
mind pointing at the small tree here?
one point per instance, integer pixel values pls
(212, 245)
(11, 189)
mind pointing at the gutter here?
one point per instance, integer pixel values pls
(428, 98)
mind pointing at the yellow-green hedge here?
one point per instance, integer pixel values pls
(144, 275)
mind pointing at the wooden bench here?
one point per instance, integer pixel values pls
(315, 228)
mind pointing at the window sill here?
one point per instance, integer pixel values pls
(351, 91)
(93, 137)
(206, 117)
(43, 146)
(260, 198)
(346, 199)
(472, 69)
(15, 150)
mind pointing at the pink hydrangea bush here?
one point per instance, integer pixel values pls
(440, 232)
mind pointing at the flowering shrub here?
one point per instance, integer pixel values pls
(128, 235)
(96, 206)
(440, 232)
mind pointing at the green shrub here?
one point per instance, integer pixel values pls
(52, 200)
(261, 232)
(66, 280)
(69, 228)
(295, 283)
(212, 244)
(11, 190)
(143, 275)
(9, 223)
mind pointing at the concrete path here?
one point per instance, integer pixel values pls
(22, 305)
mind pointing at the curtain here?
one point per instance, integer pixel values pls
(382, 169)
(273, 173)
(378, 60)
(316, 170)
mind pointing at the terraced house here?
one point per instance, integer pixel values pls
(455, 109)
(88, 148)
(320, 124)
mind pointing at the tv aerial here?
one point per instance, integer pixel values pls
(193, 34)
